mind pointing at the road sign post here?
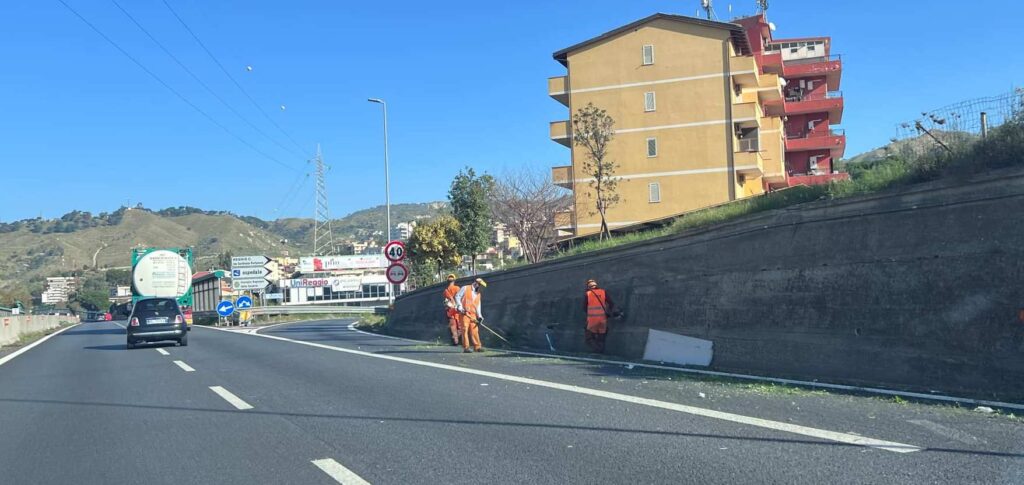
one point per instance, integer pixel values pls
(250, 273)
(395, 252)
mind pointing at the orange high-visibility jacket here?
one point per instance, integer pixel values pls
(469, 305)
(598, 307)
(449, 298)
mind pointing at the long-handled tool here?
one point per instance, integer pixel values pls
(480, 322)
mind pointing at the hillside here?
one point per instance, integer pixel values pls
(32, 249)
(918, 145)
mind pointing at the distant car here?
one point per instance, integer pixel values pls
(157, 320)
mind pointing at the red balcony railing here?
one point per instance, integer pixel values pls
(834, 140)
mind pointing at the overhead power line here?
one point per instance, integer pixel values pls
(228, 74)
(171, 89)
(200, 81)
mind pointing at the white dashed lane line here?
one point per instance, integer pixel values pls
(231, 398)
(163, 352)
(339, 473)
(185, 367)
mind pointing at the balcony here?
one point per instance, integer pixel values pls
(830, 102)
(834, 140)
(744, 71)
(560, 132)
(562, 176)
(829, 66)
(771, 88)
(747, 115)
(770, 62)
(747, 157)
(558, 88)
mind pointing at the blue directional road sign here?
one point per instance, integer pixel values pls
(225, 308)
(243, 303)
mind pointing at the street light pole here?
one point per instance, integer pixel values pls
(387, 181)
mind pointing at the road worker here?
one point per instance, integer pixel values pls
(468, 300)
(598, 308)
(451, 310)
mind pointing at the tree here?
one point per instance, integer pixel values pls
(592, 131)
(469, 198)
(224, 260)
(119, 277)
(433, 247)
(526, 201)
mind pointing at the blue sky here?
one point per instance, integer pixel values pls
(84, 128)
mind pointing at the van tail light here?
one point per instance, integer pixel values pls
(134, 322)
(178, 319)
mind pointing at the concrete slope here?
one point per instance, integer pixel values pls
(917, 289)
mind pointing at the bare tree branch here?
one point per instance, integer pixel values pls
(525, 202)
(592, 130)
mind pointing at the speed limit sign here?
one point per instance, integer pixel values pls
(394, 251)
(397, 273)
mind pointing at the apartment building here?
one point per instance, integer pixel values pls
(691, 130)
(58, 289)
(812, 103)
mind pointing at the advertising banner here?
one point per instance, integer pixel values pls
(338, 263)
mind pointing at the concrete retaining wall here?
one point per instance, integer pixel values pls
(14, 326)
(917, 290)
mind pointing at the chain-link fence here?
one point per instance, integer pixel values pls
(956, 125)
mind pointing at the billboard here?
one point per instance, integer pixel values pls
(338, 263)
(336, 283)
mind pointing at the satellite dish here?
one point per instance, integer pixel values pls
(771, 26)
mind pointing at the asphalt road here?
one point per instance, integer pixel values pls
(320, 403)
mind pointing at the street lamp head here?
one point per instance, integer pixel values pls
(376, 100)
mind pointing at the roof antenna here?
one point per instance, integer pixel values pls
(762, 6)
(709, 11)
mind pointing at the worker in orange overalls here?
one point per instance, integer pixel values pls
(451, 310)
(468, 300)
(598, 308)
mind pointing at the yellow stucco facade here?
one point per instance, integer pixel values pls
(689, 127)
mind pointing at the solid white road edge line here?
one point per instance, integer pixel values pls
(777, 380)
(257, 329)
(231, 398)
(709, 413)
(184, 366)
(338, 472)
(163, 352)
(28, 347)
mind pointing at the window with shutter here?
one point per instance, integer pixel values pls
(655, 192)
(652, 147)
(648, 55)
(649, 104)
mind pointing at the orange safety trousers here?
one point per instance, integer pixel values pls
(470, 331)
(454, 324)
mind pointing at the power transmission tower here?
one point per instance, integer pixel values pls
(323, 239)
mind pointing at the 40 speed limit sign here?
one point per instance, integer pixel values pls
(394, 251)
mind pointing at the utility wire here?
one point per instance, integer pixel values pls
(200, 81)
(171, 89)
(228, 74)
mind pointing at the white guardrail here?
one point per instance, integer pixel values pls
(308, 309)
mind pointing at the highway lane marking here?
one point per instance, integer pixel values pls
(338, 472)
(163, 352)
(946, 432)
(28, 347)
(777, 380)
(185, 367)
(846, 438)
(231, 398)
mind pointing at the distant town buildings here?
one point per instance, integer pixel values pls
(58, 289)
